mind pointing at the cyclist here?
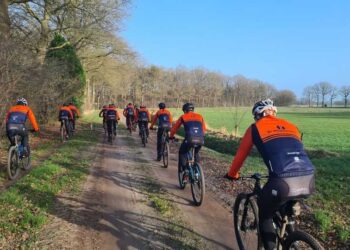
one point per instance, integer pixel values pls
(130, 114)
(15, 122)
(164, 123)
(194, 133)
(143, 117)
(291, 173)
(112, 118)
(76, 113)
(103, 114)
(65, 115)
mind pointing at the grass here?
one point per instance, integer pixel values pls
(24, 208)
(325, 136)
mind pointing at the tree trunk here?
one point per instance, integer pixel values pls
(4, 20)
(44, 37)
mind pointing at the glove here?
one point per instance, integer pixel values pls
(226, 176)
(33, 130)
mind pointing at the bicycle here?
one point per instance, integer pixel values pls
(17, 159)
(129, 124)
(246, 221)
(165, 147)
(112, 133)
(194, 173)
(143, 134)
(64, 133)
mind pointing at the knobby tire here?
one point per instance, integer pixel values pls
(13, 163)
(198, 185)
(165, 149)
(299, 240)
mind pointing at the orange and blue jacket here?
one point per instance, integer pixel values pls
(112, 114)
(18, 114)
(65, 111)
(279, 143)
(190, 120)
(75, 111)
(129, 111)
(142, 114)
(164, 118)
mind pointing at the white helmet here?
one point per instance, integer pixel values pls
(261, 106)
(22, 101)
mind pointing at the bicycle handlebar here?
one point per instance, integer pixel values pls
(255, 176)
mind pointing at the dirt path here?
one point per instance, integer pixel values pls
(114, 211)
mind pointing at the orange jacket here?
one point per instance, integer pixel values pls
(66, 108)
(19, 113)
(186, 118)
(160, 113)
(74, 110)
(143, 110)
(266, 130)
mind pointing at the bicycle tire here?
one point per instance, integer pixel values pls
(300, 240)
(26, 161)
(63, 133)
(180, 175)
(246, 222)
(166, 155)
(12, 163)
(130, 125)
(198, 182)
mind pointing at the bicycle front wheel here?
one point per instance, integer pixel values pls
(12, 163)
(166, 154)
(246, 222)
(299, 240)
(63, 133)
(198, 185)
(25, 162)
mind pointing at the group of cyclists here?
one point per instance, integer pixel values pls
(291, 173)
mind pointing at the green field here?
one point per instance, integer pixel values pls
(326, 137)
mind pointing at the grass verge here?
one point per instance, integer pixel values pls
(24, 207)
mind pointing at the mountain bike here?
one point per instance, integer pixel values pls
(17, 159)
(246, 221)
(143, 134)
(193, 173)
(165, 147)
(129, 124)
(112, 133)
(65, 124)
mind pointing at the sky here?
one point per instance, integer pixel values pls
(290, 44)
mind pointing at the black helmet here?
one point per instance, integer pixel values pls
(187, 107)
(161, 105)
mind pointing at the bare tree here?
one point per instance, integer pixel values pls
(285, 98)
(325, 89)
(333, 94)
(308, 94)
(316, 92)
(345, 92)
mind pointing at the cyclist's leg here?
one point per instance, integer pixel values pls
(146, 127)
(184, 148)
(139, 125)
(109, 126)
(196, 153)
(25, 140)
(11, 136)
(115, 127)
(159, 142)
(128, 121)
(272, 197)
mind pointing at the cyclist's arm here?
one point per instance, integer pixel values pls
(176, 127)
(155, 117)
(33, 120)
(241, 154)
(100, 114)
(118, 117)
(170, 118)
(204, 126)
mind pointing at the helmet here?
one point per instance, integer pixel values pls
(142, 106)
(111, 105)
(187, 107)
(261, 106)
(161, 105)
(129, 103)
(22, 101)
(65, 104)
(105, 106)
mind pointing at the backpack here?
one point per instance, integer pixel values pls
(130, 111)
(111, 114)
(194, 133)
(163, 121)
(143, 117)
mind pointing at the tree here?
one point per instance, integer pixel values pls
(285, 98)
(345, 92)
(316, 92)
(4, 20)
(333, 94)
(325, 89)
(308, 95)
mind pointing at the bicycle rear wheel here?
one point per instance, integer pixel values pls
(166, 154)
(181, 177)
(299, 240)
(143, 136)
(63, 133)
(246, 222)
(198, 185)
(12, 163)
(25, 161)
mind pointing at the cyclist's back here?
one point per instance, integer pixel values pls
(143, 118)
(65, 115)
(129, 113)
(16, 119)
(291, 173)
(112, 118)
(75, 112)
(165, 120)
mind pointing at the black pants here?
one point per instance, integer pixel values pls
(66, 124)
(184, 148)
(129, 118)
(112, 124)
(145, 123)
(159, 140)
(23, 133)
(275, 193)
